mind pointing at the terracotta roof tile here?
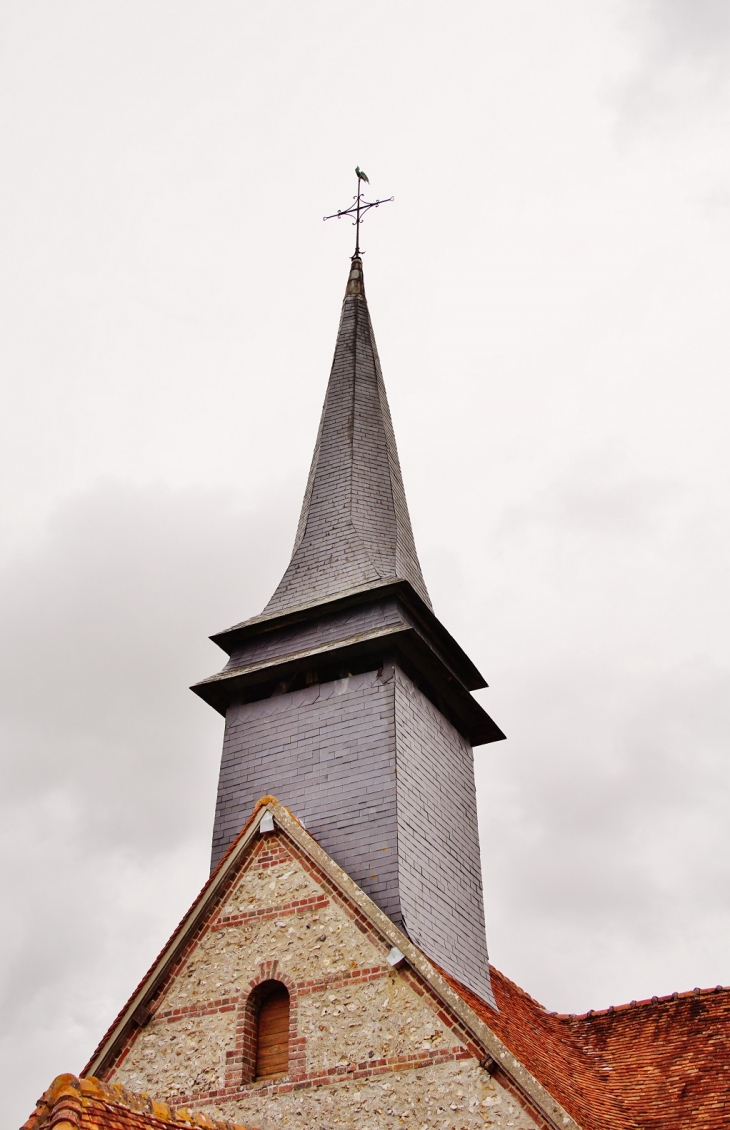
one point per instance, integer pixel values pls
(87, 1104)
(660, 1063)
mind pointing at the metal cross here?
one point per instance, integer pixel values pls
(358, 210)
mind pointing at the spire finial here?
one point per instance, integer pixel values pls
(355, 287)
(358, 208)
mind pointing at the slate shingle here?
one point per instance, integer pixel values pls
(354, 528)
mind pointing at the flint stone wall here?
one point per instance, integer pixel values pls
(361, 1026)
(444, 1097)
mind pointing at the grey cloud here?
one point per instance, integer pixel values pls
(109, 763)
(631, 508)
(594, 499)
(681, 68)
(608, 820)
(104, 627)
(687, 28)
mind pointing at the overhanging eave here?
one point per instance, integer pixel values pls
(358, 653)
(232, 638)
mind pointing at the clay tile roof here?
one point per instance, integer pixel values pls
(659, 1064)
(87, 1104)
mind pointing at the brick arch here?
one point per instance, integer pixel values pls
(241, 1062)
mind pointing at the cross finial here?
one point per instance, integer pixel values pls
(358, 208)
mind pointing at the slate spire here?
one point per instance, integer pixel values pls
(354, 529)
(348, 699)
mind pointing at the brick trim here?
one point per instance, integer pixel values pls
(318, 902)
(241, 1059)
(229, 1004)
(332, 1076)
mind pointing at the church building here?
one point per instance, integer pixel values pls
(333, 972)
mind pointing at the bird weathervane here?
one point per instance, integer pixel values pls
(358, 208)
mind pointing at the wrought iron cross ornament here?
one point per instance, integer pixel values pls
(358, 209)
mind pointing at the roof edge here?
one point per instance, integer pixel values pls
(229, 638)
(610, 1010)
(68, 1094)
(177, 939)
(364, 651)
(518, 1075)
(647, 1002)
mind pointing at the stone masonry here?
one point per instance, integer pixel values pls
(369, 1047)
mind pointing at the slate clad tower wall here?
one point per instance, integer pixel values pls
(328, 753)
(347, 699)
(386, 785)
(439, 875)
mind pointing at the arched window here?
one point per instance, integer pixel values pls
(272, 1031)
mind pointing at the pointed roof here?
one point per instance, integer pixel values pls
(446, 994)
(354, 529)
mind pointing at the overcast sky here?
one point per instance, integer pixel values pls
(549, 292)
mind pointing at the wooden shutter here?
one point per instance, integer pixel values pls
(272, 1052)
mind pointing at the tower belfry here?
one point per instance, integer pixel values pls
(347, 698)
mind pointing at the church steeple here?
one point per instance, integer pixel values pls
(354, 528)
(347, 699)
